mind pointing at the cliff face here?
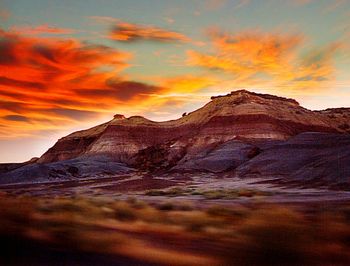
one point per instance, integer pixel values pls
(238, 115)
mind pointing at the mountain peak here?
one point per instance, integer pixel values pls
(118, 117)
(137, 119)
(250, 96)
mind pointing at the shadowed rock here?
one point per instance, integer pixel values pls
(219, 158)
(82, 167)
(318, 157)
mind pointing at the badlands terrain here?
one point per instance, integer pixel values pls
(248, 179)
(242, 134)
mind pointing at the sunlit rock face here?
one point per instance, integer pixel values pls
(240, 115)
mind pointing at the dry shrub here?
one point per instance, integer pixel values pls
(273, 235)
(124, 212)
(166, 206)
(185, 206)
(172, 192)
(256, 234)
(15, 215)
(194, 221)
(232, 193)
(270, 236)
(136, 203)
(332, 237)
(151, 215)
(231, 214)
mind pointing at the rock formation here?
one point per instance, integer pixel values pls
(240, 114)
(311, 157)
(243, 132)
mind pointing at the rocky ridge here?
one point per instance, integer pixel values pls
(235, 133)
(240, 114)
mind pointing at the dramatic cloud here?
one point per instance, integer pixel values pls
(248, 52)
(187, 84)
(19, 118)
(316, 67)
(128, 32)
(272, 57)
(122, 90)
(48, 83)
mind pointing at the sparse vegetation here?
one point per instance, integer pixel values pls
(172, 192)
(239, 235)
(166, 206)
(209, 194)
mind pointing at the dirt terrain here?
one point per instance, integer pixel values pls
(185, 186)
(201, 219)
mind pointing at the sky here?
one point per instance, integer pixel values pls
(69, 65)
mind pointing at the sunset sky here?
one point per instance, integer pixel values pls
(69, 65)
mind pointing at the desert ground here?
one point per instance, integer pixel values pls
(174, 219)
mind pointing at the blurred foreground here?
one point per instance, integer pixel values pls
(105, 231)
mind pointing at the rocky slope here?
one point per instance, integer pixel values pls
(7, 167)
(312, 157)
(240, 114)
(237, 132)
(81, 167)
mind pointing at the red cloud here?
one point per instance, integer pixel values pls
(128, 32)
(48, 62)
(49, 83)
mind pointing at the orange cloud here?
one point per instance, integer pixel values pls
(273, 58)
(49, 84)
(315, 67)
(187, 84)
(182, 92)
(248, 52)
(128, 32)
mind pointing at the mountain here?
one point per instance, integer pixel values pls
(242, 132)
(240, 114)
